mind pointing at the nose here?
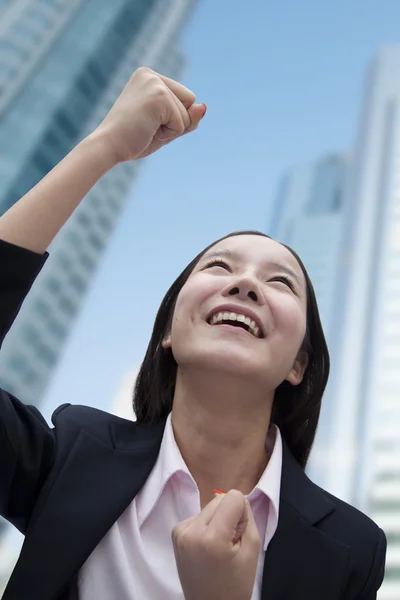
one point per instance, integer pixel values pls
(245, 288)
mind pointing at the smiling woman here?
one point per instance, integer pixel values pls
(227, 398)
(250, 271)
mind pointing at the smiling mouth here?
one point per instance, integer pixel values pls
(236, 320)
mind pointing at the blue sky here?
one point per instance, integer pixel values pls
(283, 82)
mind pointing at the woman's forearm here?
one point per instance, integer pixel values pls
(34, 221)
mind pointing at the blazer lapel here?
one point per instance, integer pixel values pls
(301, 561)
(93, 488)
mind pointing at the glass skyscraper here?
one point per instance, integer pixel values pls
(309, 213)
(367, 427)
(62, 65)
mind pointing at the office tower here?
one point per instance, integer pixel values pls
(308, 217)
(62, 65)
(367, 426)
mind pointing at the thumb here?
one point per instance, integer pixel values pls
(196, 112)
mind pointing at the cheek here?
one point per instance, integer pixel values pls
(289, 319)
(188, 304)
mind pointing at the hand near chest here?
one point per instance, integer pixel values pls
(217, 551)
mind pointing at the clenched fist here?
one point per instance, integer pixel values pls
(151, 111)
(217, 551)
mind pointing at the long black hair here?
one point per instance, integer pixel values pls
(295, 409)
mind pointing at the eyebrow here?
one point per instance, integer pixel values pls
(236, 256)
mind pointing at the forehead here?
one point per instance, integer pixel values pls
(258, 250)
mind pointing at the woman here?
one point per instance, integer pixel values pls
(228, 397)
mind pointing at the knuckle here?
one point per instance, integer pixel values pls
(159, 91)
(184, 539)
(236, 493)
(144, 71)
(175, 533)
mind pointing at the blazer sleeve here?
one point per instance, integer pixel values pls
(376, 571)
(27, 444)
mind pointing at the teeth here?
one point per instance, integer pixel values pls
(231, 316)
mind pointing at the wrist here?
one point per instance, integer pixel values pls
(98, 145)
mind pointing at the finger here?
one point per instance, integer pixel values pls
(245, 522)
(186, 96)
(250, 535)
(230, 512)
(181, 527)
(205, 516)
(176, 121)
(193, 116)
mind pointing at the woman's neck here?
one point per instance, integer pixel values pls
(221, 433)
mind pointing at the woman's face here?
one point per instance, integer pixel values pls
(243, 311)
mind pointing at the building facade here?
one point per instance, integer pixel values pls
(309, 217)
(62, 65)
(367, 471)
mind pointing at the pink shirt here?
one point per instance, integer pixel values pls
(135, 559)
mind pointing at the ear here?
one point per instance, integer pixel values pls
(296, 374)
(166, 343)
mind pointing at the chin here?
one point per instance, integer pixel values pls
(230, 361)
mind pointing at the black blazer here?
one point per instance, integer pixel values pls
(64, 487)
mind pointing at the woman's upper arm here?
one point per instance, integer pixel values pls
(27, 444)
(375, 571)
(27, 450)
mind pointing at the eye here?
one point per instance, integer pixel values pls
(217, 262)
(286, 280)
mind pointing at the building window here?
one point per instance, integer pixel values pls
(87, 90)
(47, 355)
(31, 335)
(87, 262)
(83, 219)
(96, 241)
(59, 331)
(74, 238)
(29, 377)
(77, 283)
(67, 306)
(18, 363)
(53, 285)
(19, 31)
(42, 162)
(64, 262)
(68, 127)
(96, 75)
(39, 17)
(42, 308)
(13, 50)
(105, 222)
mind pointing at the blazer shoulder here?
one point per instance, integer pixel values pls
(74, 417)
(367, 543)
(355, 523)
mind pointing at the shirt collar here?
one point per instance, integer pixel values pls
(269, 483)
(170, 462)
